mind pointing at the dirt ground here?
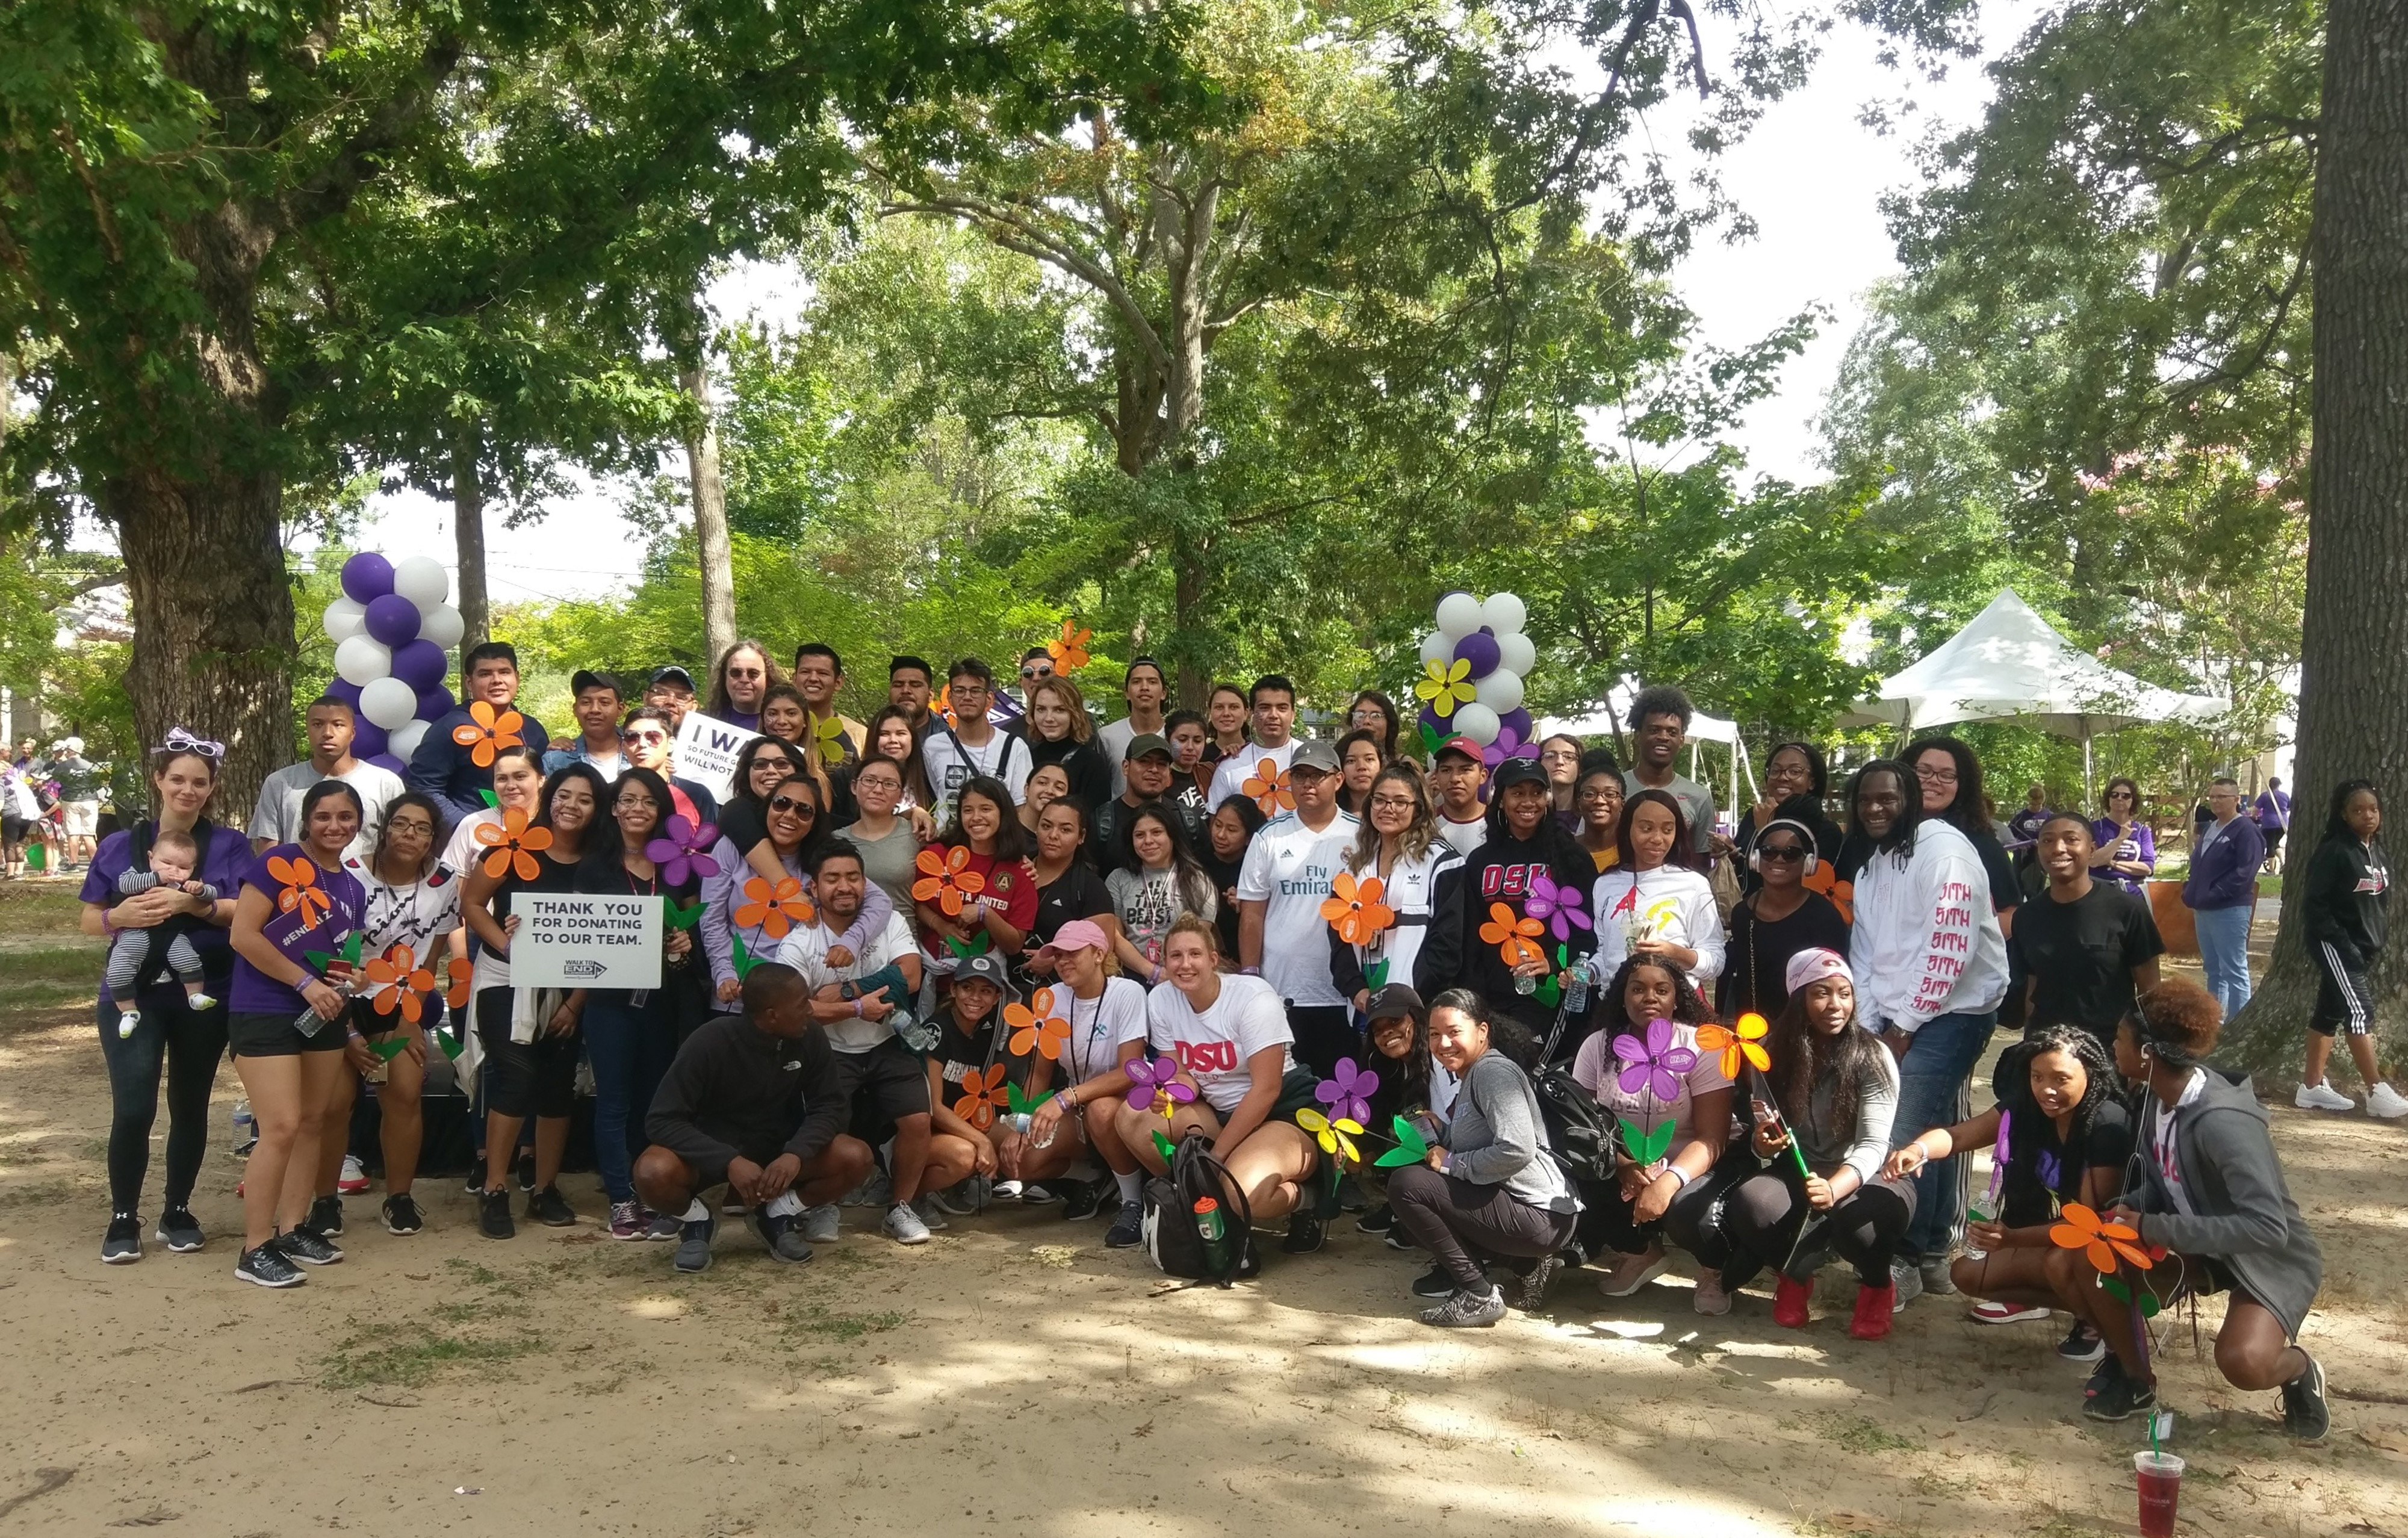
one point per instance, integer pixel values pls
(1013, 1377)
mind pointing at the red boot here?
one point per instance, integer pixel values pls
(1789, 1297)
(1875, 1306)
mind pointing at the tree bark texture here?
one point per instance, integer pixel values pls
(468, 532)
(2354, 658)
(709, 519)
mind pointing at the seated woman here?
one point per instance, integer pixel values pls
(1488, 1188)
(2060, 1134)
(1228, 1034)
(1835, 1093)
(1101, 1009)
(1399, 1036)
(1652, 902)
(1623, 1223)
(2211, 1190)
(795, 828)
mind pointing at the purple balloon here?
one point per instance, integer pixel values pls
(368, 738)
(420, 664)
(1431, 719)
(393, 620)
(1478, 649)
(433, 703)
(348, 692)
(387, 761)
(1518, 722)
(367, 577)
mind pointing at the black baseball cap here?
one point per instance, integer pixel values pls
(1395, 1001)
(672, 674)
(1146, 742)
(1517, 771)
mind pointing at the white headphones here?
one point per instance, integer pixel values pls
(1805, 834)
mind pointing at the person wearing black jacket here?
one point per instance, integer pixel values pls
(1482, 908)
(753, 1103)
(2349, 885)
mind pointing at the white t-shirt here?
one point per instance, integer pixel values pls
(1112, 741)
(1230, 774)
(1214, 1046)
(1290, 866)
(951, 763)
(805, 948)
(277, 817)
(1466, 837)
(418, 915)
(1098, 1027)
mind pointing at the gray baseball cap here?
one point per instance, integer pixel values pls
(986, 967)
(1313, 753)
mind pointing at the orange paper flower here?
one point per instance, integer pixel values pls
(1515, 939)
(486, 732)
(1269, 786)
(301, 890)
(1070, 653)
(396, 981)
(1841, 893)
(942, 706)
(946, 879)
(1740, 1043)
(774, 910)
(1354, 908)
(2103, 1241)
(981, 1094)
(1033, 1027)
(513, 844)
(463, 972)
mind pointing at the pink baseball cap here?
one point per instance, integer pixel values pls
(1080, 934)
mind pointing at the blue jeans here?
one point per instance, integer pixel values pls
(2224, 950)
(1931, 1093)
(630, 1048)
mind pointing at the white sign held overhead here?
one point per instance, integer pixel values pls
(705, 751)
(585, 941)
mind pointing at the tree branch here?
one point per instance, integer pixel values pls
(331, 191)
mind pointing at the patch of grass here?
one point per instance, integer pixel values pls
(54, 974)
(1863, 1434)
(475, 1275)
(826, 1324)
(367, 1360)
(41, 910)
(2058, 1525)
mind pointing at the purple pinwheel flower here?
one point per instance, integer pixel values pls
(2048, 1169)
(1508, 744)
(1654, 1065)
(1563, 907)
(1153, 1082)
(685, 850)
(1348, 1095)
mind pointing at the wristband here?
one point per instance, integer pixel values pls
(1678, 1174)
(856, 1007)
(1250, 972)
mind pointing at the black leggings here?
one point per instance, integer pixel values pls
(189, 1043)
(1461, 1223)
(1606, 1222)
(1762, 1214)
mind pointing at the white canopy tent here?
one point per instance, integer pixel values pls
(1703, 728)
(2011, 665)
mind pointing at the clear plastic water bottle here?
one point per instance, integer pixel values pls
(1576, 991)
(246, 1130)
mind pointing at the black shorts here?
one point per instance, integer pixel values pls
(709, 1176)
(12, 828)
(2344, 1002)
(1324, 1033)
(883, 1084)
(534, 1078)
(271, 1033)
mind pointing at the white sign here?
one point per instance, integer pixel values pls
(705, 751)
(585, 941)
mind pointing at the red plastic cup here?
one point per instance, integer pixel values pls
(2160, 1479)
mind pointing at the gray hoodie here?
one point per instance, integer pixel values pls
(2247, 1222)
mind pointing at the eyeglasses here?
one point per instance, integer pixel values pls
(881, 782)
(1392, 803)
(1784, 852)
(413, 826)
(1935, 774)
(787, 803)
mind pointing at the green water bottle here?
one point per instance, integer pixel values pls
(1214, 1231)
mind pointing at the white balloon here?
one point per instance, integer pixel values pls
(1437, 647)
(1516, 653)
(1458, 615)
(363, 660)
(1500, 691)
(1475, 721)
(402, 743)
(423, 581)
(389, 702)
(345, 618)
(1504, 614)
(440, 625)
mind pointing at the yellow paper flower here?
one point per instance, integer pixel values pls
(1335, 1137)
(1445, 686)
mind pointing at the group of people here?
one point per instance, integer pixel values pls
(978, 949)
(49, 803)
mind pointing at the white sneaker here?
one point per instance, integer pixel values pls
(354, 1177)
(1995, 1313)
(2387, 1102)
(903, 1225)
(2321, 1096)
(1907, 1280)
(127, 1022)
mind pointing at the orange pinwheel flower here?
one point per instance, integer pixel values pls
(1740, 1043)
(2101, 1241)
(774, 910)
(486, 733)
(1354, 908)
(1033, 1027)
(301, 890)
(1070, 653)
(1515, 939)
(942, 706)
(981, 1094)
(946, 879)
(396, 981)
(462, 971)
(1841, 893)
(1269, 786)
(513, 844)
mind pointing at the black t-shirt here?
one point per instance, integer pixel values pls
(2006, 891)
(2044, 1171)
(2081, 955)
(957, 1051)
(1755, 966)
(1224, 887)
(1076, 893)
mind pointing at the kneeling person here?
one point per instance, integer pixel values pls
(753, 1103)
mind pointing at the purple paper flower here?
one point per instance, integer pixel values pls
(1563, 907)
(1508, 744)
(2049, 1171)
(684, 851)
(1349, 1094)
(1153, 1084)
(1654, 1065)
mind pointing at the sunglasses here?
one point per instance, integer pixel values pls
(1036, 672)
(800, 809)
(1783, 852)
(645, 740)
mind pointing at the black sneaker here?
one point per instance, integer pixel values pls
(2082, 1345)
(782, 1233)
(2113, 1396)
(122, 1245)
(401, 1213)
(179, 1230)
(550, 1209)
(494, 1214)
(1304, 1232)
(1397, 1239)
(1467, 1309)
(2305, 1414)
(694, 1243)
(1531, 1289)
(1434, 1283)
(1379, 1219)
(1128, 1228)
(1084, 1199)
(307, 1246)
(265, 1266)
(525, 1170)
(327, 1217)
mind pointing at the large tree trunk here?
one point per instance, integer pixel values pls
(468, 528)
(2354, 654)
(709, 519)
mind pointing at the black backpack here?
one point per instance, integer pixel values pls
(1578, 1132)
(1171, 1236)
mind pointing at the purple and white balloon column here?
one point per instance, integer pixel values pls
(394, 629)
(1474, 664)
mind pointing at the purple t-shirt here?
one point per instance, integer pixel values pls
(305, 927)
(221, 865)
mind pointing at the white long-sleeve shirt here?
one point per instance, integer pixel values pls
(1926, 942)
(1666, 903)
